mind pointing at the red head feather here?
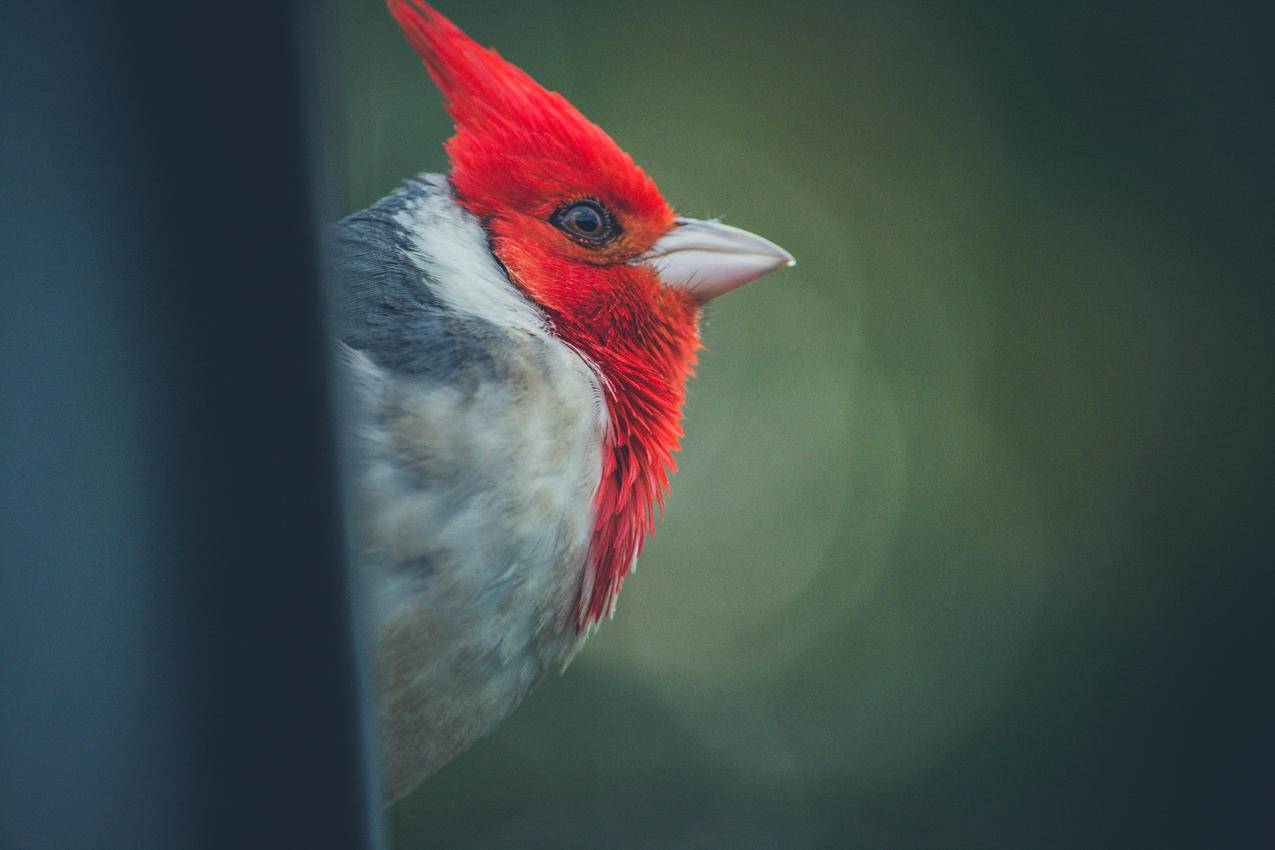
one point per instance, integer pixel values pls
(519, 154)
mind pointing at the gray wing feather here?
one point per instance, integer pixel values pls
(385, 306)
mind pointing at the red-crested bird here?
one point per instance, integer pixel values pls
(518, 335)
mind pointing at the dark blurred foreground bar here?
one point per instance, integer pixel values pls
(176, 664)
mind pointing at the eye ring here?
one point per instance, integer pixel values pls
(587, 222)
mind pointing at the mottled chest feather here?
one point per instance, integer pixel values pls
(479, 448)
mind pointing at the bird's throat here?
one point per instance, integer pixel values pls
(642, 339)
(644, 407)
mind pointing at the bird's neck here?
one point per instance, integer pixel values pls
(644, 371)
(643, 339)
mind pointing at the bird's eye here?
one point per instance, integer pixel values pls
(587, 222)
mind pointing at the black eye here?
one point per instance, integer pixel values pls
(587, 222)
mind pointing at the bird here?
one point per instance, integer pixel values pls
(515, 337)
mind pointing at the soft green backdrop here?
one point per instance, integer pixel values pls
(968, 547)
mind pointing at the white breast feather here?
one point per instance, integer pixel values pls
(474, 507)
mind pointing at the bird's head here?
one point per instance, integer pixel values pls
(585, 233)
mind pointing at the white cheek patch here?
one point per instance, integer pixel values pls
(450, 247)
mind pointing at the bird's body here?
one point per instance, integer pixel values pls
(479, 436)
(517, 337)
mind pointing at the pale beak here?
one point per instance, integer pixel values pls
(710, 258)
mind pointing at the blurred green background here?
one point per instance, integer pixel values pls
(970, 545)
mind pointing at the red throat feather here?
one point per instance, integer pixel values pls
(519, 152)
